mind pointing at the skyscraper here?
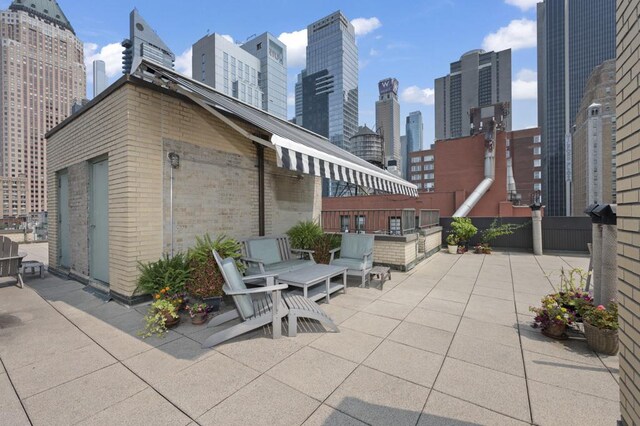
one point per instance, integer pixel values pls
(225, 66)
(42, 73)
(144, 42)
(329, 84)
(99, 77)
(272, 54)
(478, 79)
(388, 121)
(594, 141)
(414, 132)
(574, 36)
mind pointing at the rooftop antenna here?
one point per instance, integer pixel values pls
(251, 36)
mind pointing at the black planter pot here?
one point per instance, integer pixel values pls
(213, 303)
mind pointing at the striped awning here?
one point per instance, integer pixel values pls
(297, 149)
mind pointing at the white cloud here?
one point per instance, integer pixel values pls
(227, 37)
(416, 95)
(364, 26)
(524, 5)
(519, 34)
(296, 43)
(111, 54)
(291, 99)
(183, 62)
(374, 52)
(525, 86)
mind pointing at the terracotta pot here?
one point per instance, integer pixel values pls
(199, 319)
(170, 321)
(556, 331)
(601, 340)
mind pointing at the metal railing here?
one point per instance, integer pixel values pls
(429, 218)
(371, 221)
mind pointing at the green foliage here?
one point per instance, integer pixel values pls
(304, 234)
(156, 318)
(206, 279)
(172, 272)
(452, 240)
(494, 231)
(603, 318)
(463, 228)
(323, 245)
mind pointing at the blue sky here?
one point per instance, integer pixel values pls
(413, 41)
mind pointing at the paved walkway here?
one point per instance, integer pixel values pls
(448, 343)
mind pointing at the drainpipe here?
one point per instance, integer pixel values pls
(489, 173)
(174, 163)
(260, 158)
(605, 278)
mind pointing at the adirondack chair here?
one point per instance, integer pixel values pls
(356, 253)
(10, 261)
(273, 255)
(257, 307)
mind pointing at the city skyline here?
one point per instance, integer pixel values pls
(391, 41)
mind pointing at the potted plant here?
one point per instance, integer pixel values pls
(571, 294)
(168, 273)
(601, 328)
(198, 313)
(452, 243)
(552, 317)
(162, 314)
(323, 246)
(206, 281)
(464, 229)
(494, 231)
(305, 234)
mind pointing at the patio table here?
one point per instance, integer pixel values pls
(310, 278)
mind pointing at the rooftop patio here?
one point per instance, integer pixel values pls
(447, 343)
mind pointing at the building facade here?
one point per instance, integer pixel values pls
(594, 141)
(227, 67)
(574, 36)
(478, 79)
(329, 84)
(388, 121)
(42, 73)
(525, 155)
(272, 77)
(422, 169)
(368, 145)
(14, 197)
(628, 211)
(144, 42)
(414, 131)
(99, 77)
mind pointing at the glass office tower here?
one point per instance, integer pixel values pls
(574, 36)
(329, 86)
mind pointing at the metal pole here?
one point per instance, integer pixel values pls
(260, 155)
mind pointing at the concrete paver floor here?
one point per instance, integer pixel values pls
(448, 343)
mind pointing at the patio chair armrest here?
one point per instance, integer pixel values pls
(266, 289)
(369, 253)
(303, 251)
(11, 258)
(260, 263)
(260, 279)
(333, 253)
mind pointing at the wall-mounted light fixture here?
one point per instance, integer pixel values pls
(174, 159)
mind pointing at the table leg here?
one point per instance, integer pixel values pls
(304, 291)
(293, 325)
(344, 282)
(277, 321)
(328, 281)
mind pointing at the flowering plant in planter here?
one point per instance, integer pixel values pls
(161, 314)
(198, 313)
(552, 313)
(601, 328)
(604, 318)
(571, 294)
